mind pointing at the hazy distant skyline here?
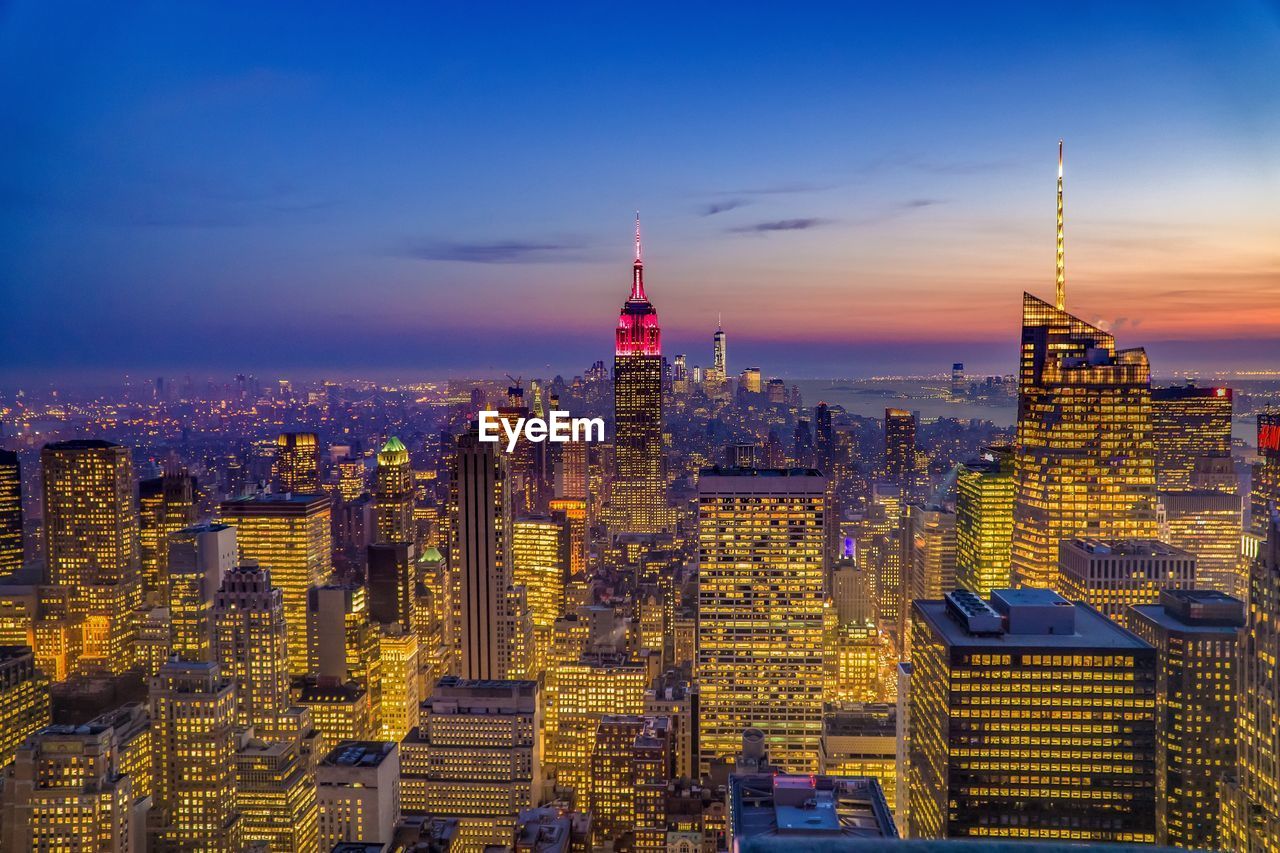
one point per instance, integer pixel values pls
(426, 189)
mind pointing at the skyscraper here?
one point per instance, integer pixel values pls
(1251, 799)
(393, 494)
(166, 504)
(1187, 424)
(482, 559)
(250, 647)
(719, 356)
(289, 535)
(1264, 498)
(1209, 524)
(193, 709)
(1029, 718)
(984, 522)
(393, 583)
(1083, 457)
(90, 525)
(900, 449)
(761, 598)
(638, 501)
(931, 544)
(484, 739)
(1194, 633)
(11, 550)
(198, 559)
(24, 699)
(540, 564)
(1116, 574)
(297, 463)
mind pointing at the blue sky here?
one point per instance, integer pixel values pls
(413, 188)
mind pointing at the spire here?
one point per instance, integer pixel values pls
(637, 270)
(1061, 288)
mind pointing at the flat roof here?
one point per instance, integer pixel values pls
(359, 753)
(1092, 629)
(1159, 615)
(1125, 547)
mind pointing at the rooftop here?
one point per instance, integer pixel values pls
(823, 807)
(1030, 617)
(359, 753)
(1125, 547)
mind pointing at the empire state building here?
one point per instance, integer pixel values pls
(638, 503)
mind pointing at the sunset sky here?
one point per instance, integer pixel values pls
(421, 188)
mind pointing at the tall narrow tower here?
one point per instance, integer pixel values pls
(639, 499)
(719, 360)
(1061, 288)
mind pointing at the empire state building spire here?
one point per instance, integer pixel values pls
(1061, 288)
(637, 269)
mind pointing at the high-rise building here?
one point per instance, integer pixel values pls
(484, 742)
(11, 532)
(930, 566)
(1209, 524)
(250, 647)
(276, 795)
(880, 549)
(398, 695)
(483, 560)
(1194, 634)
(540, 550)
(1029, 718)
(579, 693)
(193, 712)
(984, 522)
(638, 500)
(1083, 457)
(297, 464)
(959, 387)
(289, 535)
(393, 583)
(24, 699)
(90, 525)
(751, 381)
(166, 505)
(900, 449)
(761, 599)
(393, 494)
(861, 740)
(1250, 816)
(199, 557)
(1187, 423)
(630, 769)
(65, 790)
(719, 353)
(1114, 575)
(358, 793)
(1264, 498)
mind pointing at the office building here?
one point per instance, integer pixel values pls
(250, 645)
(64, 790)
(166, 505)
(193, 709)
(484, 742)
(930, 548)
(24, 699)
(276, 795)
(984, 522)
(900, 449)
(861, 740)
(1116, 574)
(580, 693)
(11, 532)
(1264, 497)
(393, 583)
(1208, 523)
(398, 695)
(340, 711)
(761, 553)
(289, 534)
(1194, 634)
(1188, 423)
(90, 524)
(358, 793)
(638, 500)
(1250, 816)
(199, 557)
(393, 494)
(1084, 457)
(540, 547)
(297, 464)
(1029, 718)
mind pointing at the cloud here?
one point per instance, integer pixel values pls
(496, 252)
(779, 225)
(721, 206)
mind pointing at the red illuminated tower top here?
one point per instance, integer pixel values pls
(638, 332)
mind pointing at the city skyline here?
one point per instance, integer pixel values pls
(361, 196)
